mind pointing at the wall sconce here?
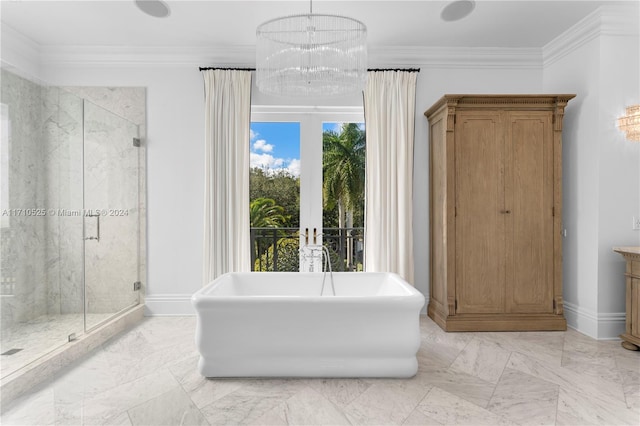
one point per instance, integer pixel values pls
(630, 123)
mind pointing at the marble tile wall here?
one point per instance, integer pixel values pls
(23, 237)
(63, 138)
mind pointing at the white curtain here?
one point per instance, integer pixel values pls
(226, 210)
(389, 110)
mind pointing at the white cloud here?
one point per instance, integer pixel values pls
(262, 145)
(271, 164)
(294, 167)
(252, 134)
(265, 161)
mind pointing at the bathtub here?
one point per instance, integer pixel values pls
(276, 324)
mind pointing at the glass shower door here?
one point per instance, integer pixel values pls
(111, 216)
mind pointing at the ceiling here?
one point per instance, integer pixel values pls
(515, 23)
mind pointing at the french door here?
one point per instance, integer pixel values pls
(294, 211)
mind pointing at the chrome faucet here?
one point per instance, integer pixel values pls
(327, 263)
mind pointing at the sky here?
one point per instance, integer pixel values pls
(275, 146)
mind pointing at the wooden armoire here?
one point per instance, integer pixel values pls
(495, 184)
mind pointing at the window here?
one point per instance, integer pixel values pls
(298, 192)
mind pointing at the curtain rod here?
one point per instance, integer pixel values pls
(395, 69)
(226, 69)
(370, 69)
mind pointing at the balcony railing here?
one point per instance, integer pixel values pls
(277, 249)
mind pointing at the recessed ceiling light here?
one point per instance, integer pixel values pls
(457, 10)
(155, 8)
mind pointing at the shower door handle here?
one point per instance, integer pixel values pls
(97, 237)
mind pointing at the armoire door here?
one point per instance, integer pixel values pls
(479, 217)
(529, 199)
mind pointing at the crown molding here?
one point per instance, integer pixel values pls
(610, 20)
(437, 57)
(169, 56)
(456, 57)
(20, 54)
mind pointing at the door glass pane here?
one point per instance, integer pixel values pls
(343, 166)
(274, 196)
(111, 192)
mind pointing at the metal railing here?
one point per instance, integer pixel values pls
(277, 249)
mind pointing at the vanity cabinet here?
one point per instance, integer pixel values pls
(495, 212)
(631, 336)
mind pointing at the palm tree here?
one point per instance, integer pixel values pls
(265, 213)
(343, 170)
(343, 166)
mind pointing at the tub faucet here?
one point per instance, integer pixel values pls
(327, 262)
(324, 253)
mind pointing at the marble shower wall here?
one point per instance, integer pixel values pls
(43, 255)
(24, 237)
(63, 141)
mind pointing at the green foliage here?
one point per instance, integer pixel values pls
(288, 256)
(343, 168)
(281, 187)
(264, 213)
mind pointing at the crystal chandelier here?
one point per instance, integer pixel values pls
(311, 55)
(630, 123)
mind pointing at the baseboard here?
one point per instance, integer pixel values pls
(168, 305)
(601, 326)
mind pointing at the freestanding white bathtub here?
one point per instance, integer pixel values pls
(276, 324)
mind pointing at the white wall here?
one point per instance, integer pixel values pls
(601, 176)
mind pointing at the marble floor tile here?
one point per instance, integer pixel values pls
(201, 390)
(171, 408)
(386, 403)
(341, 392)
(578, 342)
(307, 407)
(36, 408)
(251, 401)
(449, 409)
(417, 418)
(576, 408)
(628, 364)
(135, 355)
(567, 378)
(483, 359)
(543, 346)
(109, 405)
(90, 376)
(465, 386)
(440, 349)
(121, 420)
(524, 399)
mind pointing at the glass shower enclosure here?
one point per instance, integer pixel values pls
(70, 218)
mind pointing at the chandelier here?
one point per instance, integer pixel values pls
(311, 55)
(630, 123)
